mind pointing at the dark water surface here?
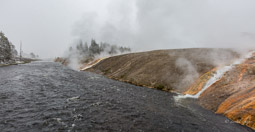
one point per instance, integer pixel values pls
(46, 96)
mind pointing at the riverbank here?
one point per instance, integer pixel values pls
(22, 61)
(168, 70)
(2, 65)
(187, 71)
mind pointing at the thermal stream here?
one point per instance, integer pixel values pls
(92, 64)
(217, 76)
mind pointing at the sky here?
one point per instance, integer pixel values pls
(49, 27)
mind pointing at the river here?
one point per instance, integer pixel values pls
(46, 96)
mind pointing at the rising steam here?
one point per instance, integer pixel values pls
(190, 71)
(81, 53)
(149, 24)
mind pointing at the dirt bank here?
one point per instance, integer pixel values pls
(234, 94)
(167, 70)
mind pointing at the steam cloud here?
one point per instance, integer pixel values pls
(138, 24)
(190, 71)
(82, 53)
(149, 24)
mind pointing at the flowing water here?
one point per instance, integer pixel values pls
(46, 96)
(217, 76)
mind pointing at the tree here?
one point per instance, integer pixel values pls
(14, 51)
(32, 55)
(94, 48)
(84, 53)
(113, 50)
(85, 47)
(79, 47)
(124, 49)
(105, 47)
(7, 50)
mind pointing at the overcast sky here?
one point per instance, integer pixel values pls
(49, 27)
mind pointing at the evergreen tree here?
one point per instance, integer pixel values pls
(32, 55)
(94, 48)
(14, 52)
(113, 50)
(79, 46)
(85, 47)
(85, 53)
(5, 48)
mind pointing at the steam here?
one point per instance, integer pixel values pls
(140, 24)
(74, 61)
(116, 26)
(190, 71)
(192, 63)
(217, 76)
(148, 24)
(81, 54)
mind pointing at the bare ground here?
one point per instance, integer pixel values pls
(166, 70)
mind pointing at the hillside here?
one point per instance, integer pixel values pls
(188, 71)
(233, 95)
(167, 70)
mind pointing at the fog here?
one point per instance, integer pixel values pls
(49, 27)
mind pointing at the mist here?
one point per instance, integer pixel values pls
(167, 24)
(141, 25)
(83, 53)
